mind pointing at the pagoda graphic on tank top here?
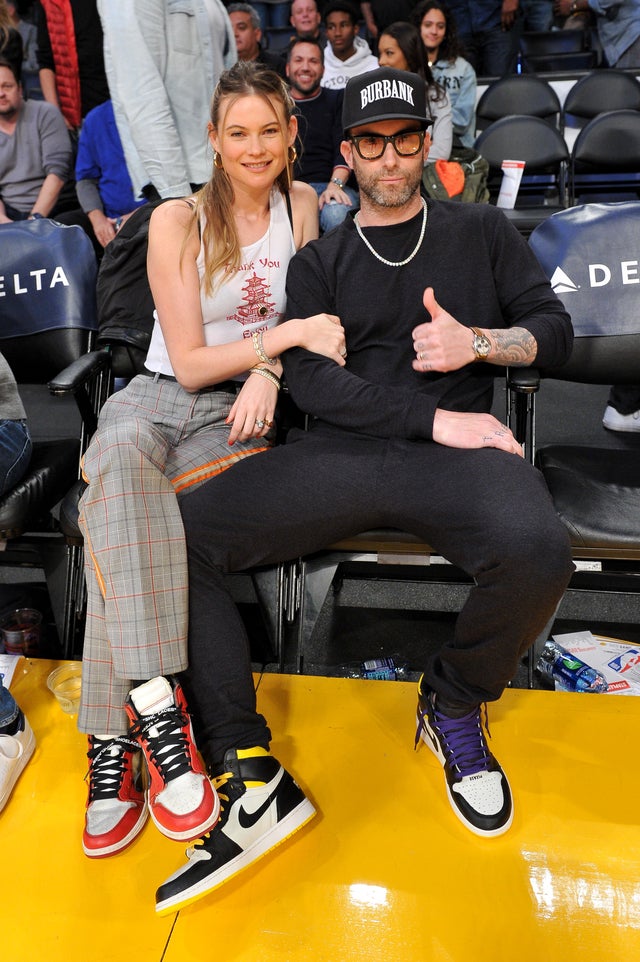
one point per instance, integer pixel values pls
(257, 301)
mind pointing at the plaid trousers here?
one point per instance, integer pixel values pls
(155, 443)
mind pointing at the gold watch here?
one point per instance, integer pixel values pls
(481, 344)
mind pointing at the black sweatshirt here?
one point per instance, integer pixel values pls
(482, 272)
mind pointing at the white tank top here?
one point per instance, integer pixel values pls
(251, 299)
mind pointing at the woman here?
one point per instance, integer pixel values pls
(217, 264)
(400, 47)
(444, 52)
(10, 41)
(29, 35)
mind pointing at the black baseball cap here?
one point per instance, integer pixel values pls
(384, 94)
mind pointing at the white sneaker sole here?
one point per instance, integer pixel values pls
(28, 748)
(278, 834)
(192, 833)
(424, 735)
(123, 843)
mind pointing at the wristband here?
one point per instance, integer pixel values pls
(339, 183)
(270, 376)
(35, 216)
(256, 338)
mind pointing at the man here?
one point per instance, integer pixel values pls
(103, 186)
(347, 55)
(378, 14)
(489, 31)
(35, 152)
(618, 26)
(400, 437)
(163, 61)
(319, 110)
(17, 741)
(305, 18)
(247, 33)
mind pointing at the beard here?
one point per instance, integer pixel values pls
(388, 195)
(306, 89)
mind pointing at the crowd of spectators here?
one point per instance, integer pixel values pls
(155, 68)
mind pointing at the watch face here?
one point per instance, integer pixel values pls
(481, 345)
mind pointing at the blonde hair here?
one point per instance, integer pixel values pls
(215, 200)
(5, 23)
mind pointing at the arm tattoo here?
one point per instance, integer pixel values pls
(513, 347)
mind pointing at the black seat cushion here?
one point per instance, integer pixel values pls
(52, 471)
(596, 492)
(383, 540)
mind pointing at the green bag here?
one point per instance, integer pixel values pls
(475, 169)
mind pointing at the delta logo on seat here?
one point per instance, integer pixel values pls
(599, 275)
(39, 279)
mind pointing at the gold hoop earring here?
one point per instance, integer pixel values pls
(217, 161)
(291, 159)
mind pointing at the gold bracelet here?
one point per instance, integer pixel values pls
(256, 338)
(270, 376)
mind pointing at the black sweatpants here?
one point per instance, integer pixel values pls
(625, 398)
(486, 511)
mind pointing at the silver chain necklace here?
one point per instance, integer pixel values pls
(413, 252)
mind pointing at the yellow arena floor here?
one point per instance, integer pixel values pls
(385, 873)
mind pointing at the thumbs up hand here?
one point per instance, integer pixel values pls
(441, 344)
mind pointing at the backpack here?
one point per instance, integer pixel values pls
(473, 169)
(124, 302)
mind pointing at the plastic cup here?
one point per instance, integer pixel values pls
(20, 631)
(65, 682)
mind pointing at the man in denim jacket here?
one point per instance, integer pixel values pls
(618, 24)
(163, 59)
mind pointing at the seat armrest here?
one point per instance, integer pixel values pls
(522, 386)
(523, 380)
(87, 379)
(76, 374)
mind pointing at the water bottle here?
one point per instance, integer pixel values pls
(571, 673)
(380, 669)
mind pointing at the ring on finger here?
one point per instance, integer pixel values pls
(267, 422)
(421, 355)
(260, 423)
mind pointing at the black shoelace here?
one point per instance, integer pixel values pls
(167, 744)
(106, 767)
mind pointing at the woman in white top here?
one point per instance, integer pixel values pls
(217, 264)
(400, 46)
(439, 35)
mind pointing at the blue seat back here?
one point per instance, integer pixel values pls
(47, 296)
(591, 255)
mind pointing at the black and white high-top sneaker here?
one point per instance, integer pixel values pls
(477, 787)
(261, 806)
